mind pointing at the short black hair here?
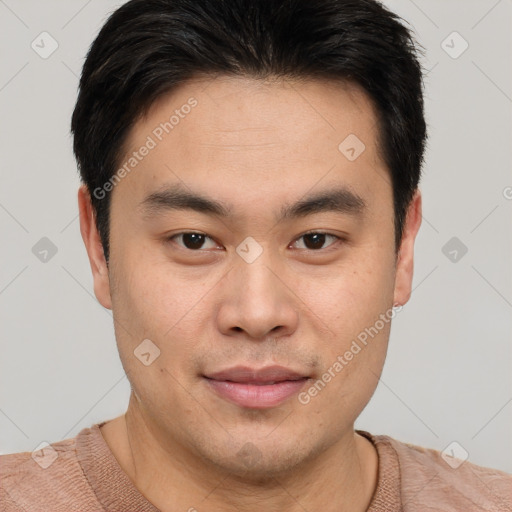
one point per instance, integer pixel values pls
(148, 47)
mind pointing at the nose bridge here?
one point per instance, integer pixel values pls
(258, 280)
(257, 300)
(253, 265)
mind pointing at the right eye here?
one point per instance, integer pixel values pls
(191, 240)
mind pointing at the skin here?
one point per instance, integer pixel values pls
(255, 146)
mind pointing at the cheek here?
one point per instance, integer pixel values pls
(153, 298)
(148, 307)
(353, 304)
(350, 296)
(353, 362)
(154, 302)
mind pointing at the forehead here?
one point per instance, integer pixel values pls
(258, 137)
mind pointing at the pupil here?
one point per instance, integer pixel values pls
(196, 240)
(317, 238)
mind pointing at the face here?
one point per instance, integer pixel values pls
(257, 255)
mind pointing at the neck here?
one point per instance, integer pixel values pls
(342, 477)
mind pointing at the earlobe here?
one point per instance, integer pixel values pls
(405, 260)
(93, 245)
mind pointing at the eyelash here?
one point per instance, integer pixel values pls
(337, 239)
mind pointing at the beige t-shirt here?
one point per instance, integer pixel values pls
(82, 474)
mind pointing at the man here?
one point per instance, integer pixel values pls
(249, 208)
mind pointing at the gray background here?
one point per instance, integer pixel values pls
(448, 373)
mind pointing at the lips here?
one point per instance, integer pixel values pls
(268, 375)
(256, 388)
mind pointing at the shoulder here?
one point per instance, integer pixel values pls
(50, 478)
(434, 480)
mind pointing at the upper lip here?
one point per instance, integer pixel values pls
(247, 375)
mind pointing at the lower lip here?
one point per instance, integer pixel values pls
(256, 396)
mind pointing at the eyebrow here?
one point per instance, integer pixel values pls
(176, 197)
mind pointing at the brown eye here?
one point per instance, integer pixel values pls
(192, 241)
(316, 240)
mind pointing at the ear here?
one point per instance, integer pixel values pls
(405, 259)
(94, 248)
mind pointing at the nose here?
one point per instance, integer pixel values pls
(257, 302)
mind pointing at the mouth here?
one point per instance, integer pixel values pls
(256, 388)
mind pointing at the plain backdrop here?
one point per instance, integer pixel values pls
(448, 372)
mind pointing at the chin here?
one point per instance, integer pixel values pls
(259, 463)
(263, 470)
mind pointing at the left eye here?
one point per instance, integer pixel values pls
(315, 240)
